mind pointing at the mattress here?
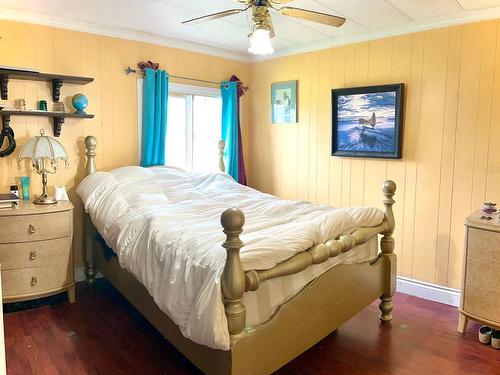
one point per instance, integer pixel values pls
(164, 225)
(262, 303)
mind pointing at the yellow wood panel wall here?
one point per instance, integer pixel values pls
(451, 162)
(112, 96)
(452, 112)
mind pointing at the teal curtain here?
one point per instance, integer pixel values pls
(154, 117)
(229, 93)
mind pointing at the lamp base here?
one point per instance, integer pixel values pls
(44, 199)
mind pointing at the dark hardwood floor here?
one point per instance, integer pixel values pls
(102, 334)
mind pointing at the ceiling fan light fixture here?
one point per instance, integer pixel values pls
(262, 23)
(260, 42)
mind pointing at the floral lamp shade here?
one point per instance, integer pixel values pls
(38, 150)
(43, 147)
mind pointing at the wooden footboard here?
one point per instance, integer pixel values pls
(235, 281)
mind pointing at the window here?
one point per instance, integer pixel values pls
(193, 126)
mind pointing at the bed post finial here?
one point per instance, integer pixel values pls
(387, 248)
(222, 146)
(90, 145)
(233, 277)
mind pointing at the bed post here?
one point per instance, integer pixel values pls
(233, 277)
(222, 146)
(387, 247)
(90, 167)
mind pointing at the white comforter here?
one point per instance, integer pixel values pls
(164, 225)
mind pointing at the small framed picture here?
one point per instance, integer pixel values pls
(367, 122)
(284, 102)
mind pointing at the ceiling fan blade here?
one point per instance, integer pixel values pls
(213, 16)
(281, 1)
(272, 34)
(313, 16)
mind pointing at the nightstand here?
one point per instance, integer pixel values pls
(36, 251)
(480, 299)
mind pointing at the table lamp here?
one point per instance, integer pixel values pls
(41, 150)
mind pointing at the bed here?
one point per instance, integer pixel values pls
(318, 304)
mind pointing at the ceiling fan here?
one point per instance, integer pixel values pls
(262, 29)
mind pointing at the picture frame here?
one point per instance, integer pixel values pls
(284, 102)
(367, 122)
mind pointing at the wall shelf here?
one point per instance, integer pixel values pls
(57, 80)
(58, 117)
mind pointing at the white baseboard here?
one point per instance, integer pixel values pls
(405, 285)
(432, 292)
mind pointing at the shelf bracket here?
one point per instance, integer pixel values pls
(5, 121)
(56, 89)
(58, 121)
(4, 82)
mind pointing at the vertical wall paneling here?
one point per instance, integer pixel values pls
(336, 164)
(346, 162)
(313, 125)
(396, 169)
(112, 97)
(304, 108)
(428, 154)
(450, 161)
(451, 114)
(470, 72)
(493, 167)
(324, 121)
(448, 149)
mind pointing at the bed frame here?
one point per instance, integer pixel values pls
(317, 310)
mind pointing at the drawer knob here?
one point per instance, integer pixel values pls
(32, 256)
(34, 281)
(31, 229)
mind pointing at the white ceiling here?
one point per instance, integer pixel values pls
(159, 21)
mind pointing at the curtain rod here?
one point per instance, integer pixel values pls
(129, 70)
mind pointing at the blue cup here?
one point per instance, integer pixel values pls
(25, 187)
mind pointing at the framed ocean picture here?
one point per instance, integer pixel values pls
(367, 121)
(284, 102)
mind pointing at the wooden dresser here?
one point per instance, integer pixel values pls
(480, 299)
(36, 251)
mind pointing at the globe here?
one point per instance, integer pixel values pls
(80, 102)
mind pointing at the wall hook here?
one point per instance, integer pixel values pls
(7, 133)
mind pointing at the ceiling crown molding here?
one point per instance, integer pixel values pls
(469, 17)
(93, 28)
(117, 32)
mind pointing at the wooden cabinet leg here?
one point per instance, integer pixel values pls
(71, 294)
(462, 323)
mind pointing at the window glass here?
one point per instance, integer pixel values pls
(207, 113)
(176, 146)
(193, 131)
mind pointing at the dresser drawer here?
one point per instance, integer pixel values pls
(483, 244)
(35, 254)
(37, 227)
(31, 281)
